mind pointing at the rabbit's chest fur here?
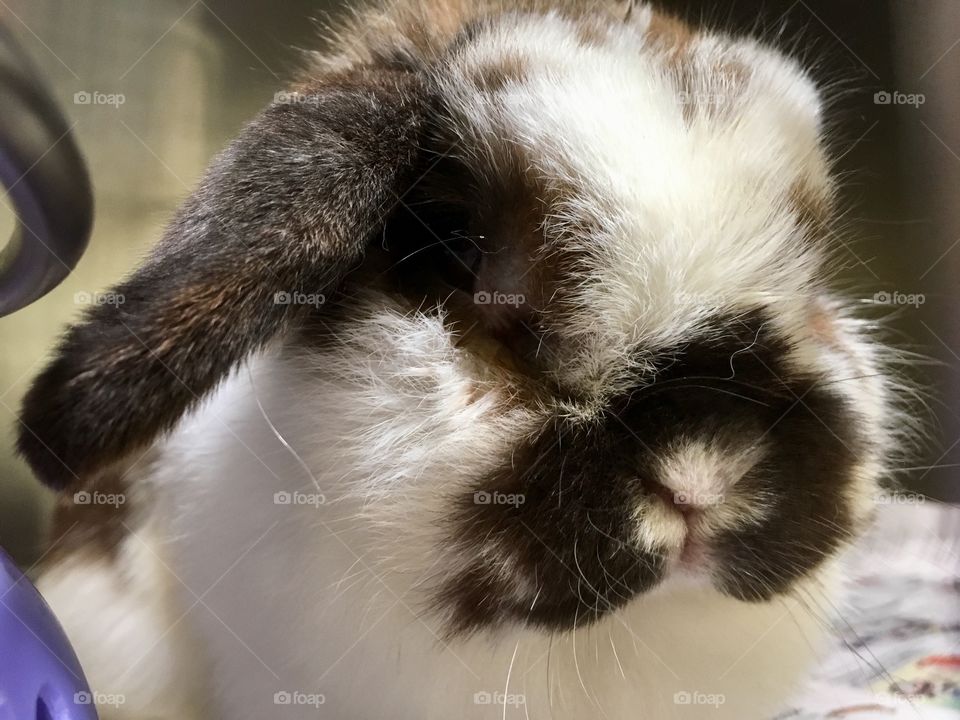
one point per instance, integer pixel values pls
(245, 584)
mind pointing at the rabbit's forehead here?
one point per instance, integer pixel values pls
(662, 175)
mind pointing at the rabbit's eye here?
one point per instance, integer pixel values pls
(434, 247)
(461, 263)
(450, 254)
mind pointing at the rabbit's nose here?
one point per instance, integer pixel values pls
(691, 493)
(697, 475)
(685, 541)
(688, 498)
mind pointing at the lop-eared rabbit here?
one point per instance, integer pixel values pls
(493, 371)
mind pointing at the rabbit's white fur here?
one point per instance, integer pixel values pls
(224, 598)
(221, 596)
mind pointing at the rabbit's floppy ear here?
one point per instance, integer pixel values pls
(288, 208)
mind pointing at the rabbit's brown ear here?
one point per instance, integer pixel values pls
(287, 208)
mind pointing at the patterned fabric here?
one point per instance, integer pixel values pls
(897, 649)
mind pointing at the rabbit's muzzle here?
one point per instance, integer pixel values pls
(729, 463)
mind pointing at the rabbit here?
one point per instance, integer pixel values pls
(494, 370)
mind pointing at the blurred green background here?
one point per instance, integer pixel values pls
(192, 72)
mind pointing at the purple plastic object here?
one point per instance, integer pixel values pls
(46, 181)
(40, 676)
